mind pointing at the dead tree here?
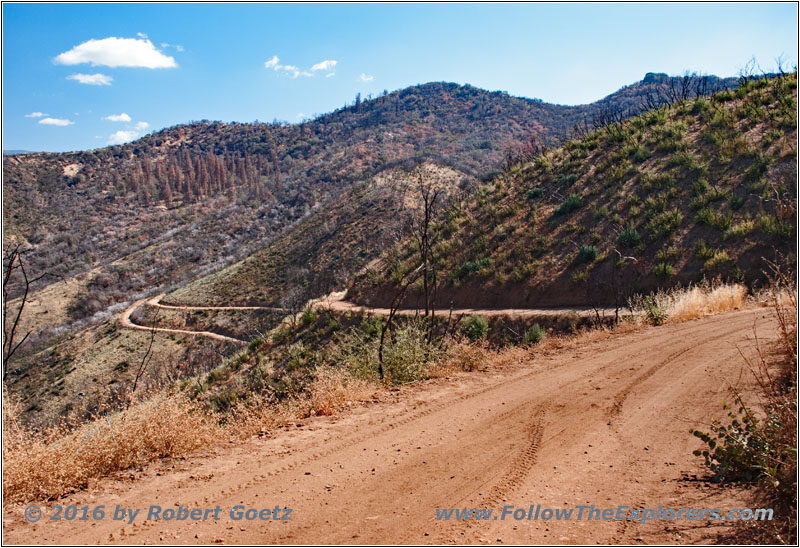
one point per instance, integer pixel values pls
(145, 359)
(393, 308)
(425, 237)
(13, 263)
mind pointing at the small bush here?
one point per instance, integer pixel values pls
(735, 452)
(640, 154)
(587, 254)
(663, 271)
(309, 316)
(255, 344)
(742, 229)
(664, 223)
(628, 238)
(475, 327)
(569, 205)
(535, 194)
(655, 313)
(470, 267)
(710, 217)
(533, 335)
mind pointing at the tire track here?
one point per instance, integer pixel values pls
(621, 396)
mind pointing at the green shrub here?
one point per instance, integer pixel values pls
(737, 202)
(569, 205)
(580, 277)
(470, 267)
(736, 452)
(664, 223)
(309, 316)
(628, 238)
(655, 313)
(534, 334)
(742, 229)
(535, 194)
(712, 218)
(568, 179)
(255, 344)
(640, 154)
(663, 271)
(758, 168)
(587, 254)
(718, 257)
(775, 226)
(475, 327)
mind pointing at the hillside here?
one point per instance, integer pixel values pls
(188, 199)
(325, 249)
(697, 189)
(295, 211)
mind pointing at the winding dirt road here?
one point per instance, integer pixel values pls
(604, 423)
(125, 321)
(335, 301)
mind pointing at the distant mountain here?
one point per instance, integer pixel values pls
(17, 152)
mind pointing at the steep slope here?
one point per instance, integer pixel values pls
(699, 188)
(188, 199)
(304, 207)
(325, 249)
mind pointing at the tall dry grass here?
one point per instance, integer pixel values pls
(698, 301)
(775, 370)
(41, 466)
(681, 304)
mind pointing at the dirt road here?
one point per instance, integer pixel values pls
(604, 423)
(335, 301)
(125, 321)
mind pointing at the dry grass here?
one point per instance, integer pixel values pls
(43, 466)
(51, 464)
(774, 367)
(463, 355)
(698, 301)
(331, 390)
(257, 415)
(681, 304)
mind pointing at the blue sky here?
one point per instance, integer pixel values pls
(82, 76)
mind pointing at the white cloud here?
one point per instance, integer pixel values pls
(56, 122)
(141, 126)
(122, 136)
(295, 71)
(328, 64)
(92, 79)
(118, 117)
(366, 77)
(330, 74)
(117, 52)
(177, 47)
(36, 114)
